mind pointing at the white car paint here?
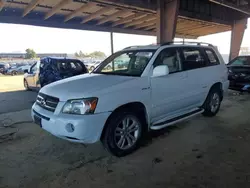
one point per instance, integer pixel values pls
(164, 97)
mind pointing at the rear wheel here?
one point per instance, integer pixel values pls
(123, 133)
(14, 73)
(212, 103)
(26, 85)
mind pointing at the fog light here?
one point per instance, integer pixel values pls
(70, 127)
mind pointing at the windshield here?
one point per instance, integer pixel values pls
(241, 61)
(129, 63)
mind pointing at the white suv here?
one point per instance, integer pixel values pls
(159, 86)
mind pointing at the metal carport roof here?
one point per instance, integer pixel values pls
(196, 17)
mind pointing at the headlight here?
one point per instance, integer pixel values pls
(80, 106)
(230, 71)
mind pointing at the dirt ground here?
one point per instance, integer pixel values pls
(202, 152)
(13, 97)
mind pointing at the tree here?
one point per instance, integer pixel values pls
(76, 54)
(81, 54)
(97, 54)
(30, 53)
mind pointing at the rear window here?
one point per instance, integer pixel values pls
(71, 66)
(241, 61)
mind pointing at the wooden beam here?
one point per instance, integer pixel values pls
(150, 27)
(193, 28)
(145, 24)
(79, 11)
(199, 29)
(97, 14)
(129, 19)
(56, 8)
(113, 16)
(138, 21)
(30, 7)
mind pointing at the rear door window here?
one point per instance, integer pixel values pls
(193, 58)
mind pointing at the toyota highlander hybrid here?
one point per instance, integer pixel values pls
(159, 86)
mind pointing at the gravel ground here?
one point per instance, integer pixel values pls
(202, 152)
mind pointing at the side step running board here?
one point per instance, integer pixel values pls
(176, 119)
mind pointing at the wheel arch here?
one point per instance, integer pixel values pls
(218, 85)
(137, 107)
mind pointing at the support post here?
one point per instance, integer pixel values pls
(238, 30)
(167, 14)
(112, 49)
(112, 42)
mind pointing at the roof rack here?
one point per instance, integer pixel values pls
(187, 42)
(131, 47)
(138, 46)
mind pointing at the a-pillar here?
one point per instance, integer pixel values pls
(238, 29)
(167, 14)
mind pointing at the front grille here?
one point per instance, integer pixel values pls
(47, 102)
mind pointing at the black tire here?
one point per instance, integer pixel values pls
(211, 102)
(13, 73)
(26, 85)
(109, 139)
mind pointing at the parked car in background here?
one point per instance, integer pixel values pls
(239, 73)
(3, 68)
(161, 85)
(18, 70)
(91, 65)
(49, 70)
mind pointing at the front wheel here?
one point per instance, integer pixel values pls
(123, 133)
(212, 103)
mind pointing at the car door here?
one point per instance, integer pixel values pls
(195, 64)
(168, 93)
(31, 75)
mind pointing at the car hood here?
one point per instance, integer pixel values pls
(82, 86)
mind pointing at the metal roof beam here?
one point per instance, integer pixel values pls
(97, 14)
(56, 8)
(79, 11)
(30, 7)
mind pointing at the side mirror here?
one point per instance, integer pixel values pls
(26, 71)
(161, 70)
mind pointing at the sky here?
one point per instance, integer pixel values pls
(17, 38)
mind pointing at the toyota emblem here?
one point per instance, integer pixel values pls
(43, 102)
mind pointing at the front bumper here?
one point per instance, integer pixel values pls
(86, 128)
(236, 85)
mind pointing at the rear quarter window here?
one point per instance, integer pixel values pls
(212, 57)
